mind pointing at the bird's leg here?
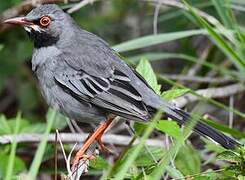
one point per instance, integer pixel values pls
(96, 135)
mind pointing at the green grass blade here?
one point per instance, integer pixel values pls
(131, 158)
(220, 42)
(41, 148)
(155, 56)
(223, 12)
(155, 39)
(10, 167)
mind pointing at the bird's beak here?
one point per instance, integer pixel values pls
(18, 21)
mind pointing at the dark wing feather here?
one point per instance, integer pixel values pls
(114, 94)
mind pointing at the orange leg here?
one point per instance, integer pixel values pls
(96, 135)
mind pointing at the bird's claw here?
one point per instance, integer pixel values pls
(83, 157)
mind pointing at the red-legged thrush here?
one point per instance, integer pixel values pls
(83, 78)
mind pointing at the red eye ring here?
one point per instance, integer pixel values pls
(45, 21)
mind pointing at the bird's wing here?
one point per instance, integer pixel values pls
(115, 94)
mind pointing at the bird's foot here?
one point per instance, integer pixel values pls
(83, 157)
(96, 135)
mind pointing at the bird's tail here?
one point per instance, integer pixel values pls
(203, 129)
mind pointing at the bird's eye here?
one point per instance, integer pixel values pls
(45, 21)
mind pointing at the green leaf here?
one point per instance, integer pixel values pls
(235, 170)
(1, 47)
(18, 166)
(174, 173)
(4, 128)
(23, 124)
(60, 121)
(98, 163)
(209, 145)
(188, 161)
(8, 126)
(139, 128)
(169, 127)
(174, 93)
(155, 39)
(144, 69)
(145, 158)
(229, 155)
(223, 12)
(35, 128)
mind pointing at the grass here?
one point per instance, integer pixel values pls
(11, 160)
(34, 169)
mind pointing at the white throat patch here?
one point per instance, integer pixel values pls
(34, 27)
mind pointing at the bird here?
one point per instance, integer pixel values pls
(83, 78)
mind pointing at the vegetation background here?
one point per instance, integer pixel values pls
(197, 51)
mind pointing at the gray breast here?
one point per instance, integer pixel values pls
(44, 63)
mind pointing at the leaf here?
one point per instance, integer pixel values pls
(139, 128)
(229, 155)
(1, 47)
(4, 128)
(155, 39)
(223, 12)
(23, 124)
(234, 170)
(98, 163)
(19, 165)
(35, 128)
(209, 145)
(174, 93)
(169, 127)
(60, 121)
(188, 161)
(174, 173)
(145, 158)
(144, 69)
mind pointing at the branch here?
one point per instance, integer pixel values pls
(198, 79)
(72, 138)
(80, 5)
(209, 93)
(180, 5)
(212, 20)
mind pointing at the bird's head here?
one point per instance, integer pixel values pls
(44, 24)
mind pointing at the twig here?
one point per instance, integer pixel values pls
(71, 138)
(203, 57)
(231, 113)
(56, 155)
(198, 79)
(155, 19)
(212, 20)
(64, 154)
(219, 92)
(80, 5)
(180, 5)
